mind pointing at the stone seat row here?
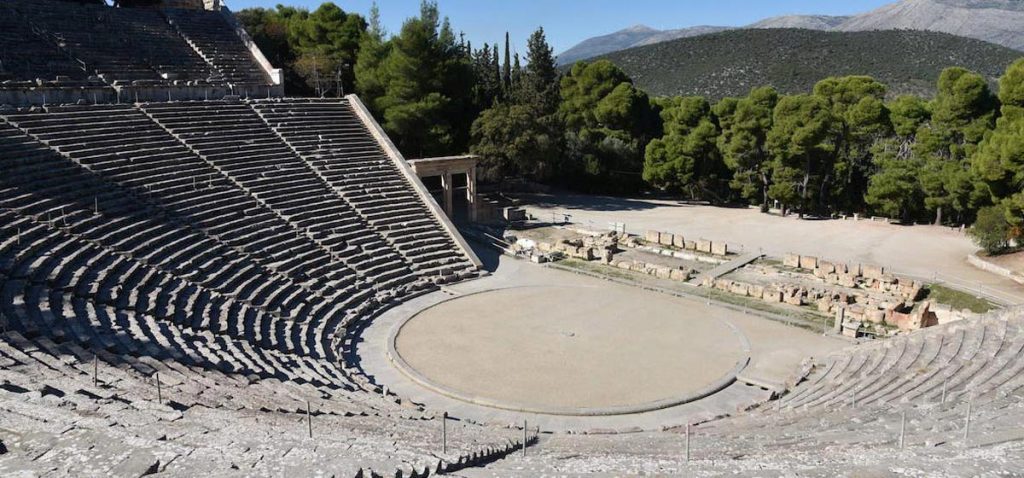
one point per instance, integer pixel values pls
(191, 196)
(960, 359)
(315, 129)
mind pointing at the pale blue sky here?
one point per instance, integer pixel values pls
(568, 22)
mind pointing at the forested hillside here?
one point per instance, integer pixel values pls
(792, 60)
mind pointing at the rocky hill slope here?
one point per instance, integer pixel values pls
(792, 60)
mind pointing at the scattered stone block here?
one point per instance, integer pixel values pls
(665, 239)
(653, 237)
(691, 245)
(808, 262)
(719, 248)
(791, 260)
(679, 275)
(704, 246)
(678, 241)
(872, 271)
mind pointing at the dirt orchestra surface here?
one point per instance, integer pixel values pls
(552, 348)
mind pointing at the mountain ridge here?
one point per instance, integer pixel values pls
(995, 21)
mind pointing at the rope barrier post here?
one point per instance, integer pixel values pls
(903, 428)
(687, 442)
(943, 399)
(159, 394)
(444, 433)
(524, 437)
(309, 420)
(967, 420)
(95, 370)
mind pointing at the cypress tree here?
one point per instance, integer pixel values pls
(506, 74)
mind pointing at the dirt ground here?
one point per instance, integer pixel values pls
(928, 253)
(570, 346)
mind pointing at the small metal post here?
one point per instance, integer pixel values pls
(687, 442)
(159, 395)
(943, 399)
(96, 204)
(309, 419)
(903, 428)
(967, 420)
(444, 433)
(524, 437)
(853, 399)
(95, 370)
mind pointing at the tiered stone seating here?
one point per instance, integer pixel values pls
(210, 34)
(234, 138)
(119, 44)
(25, 55)
(55, 420)
(819, 430)
(156, 167)
(332, 139)
(962, 358)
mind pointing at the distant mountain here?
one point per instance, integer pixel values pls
(996, 21)
(730, 63)
(638, 35)
(810, 22)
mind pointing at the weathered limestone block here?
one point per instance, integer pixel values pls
(808, 262)
(876, 316)
(872, 271)
(739, 288)
(824, 304)
(847, 280)
(678, 241)
(719, 248)
(704, 246)
(663, 272)
(756, 291)
(545, 246)
(772, 295)
(794, 297)
(826, 267)
(654, 237)
(679, 275)
(791, 260)
(691, 245)
(665, 239)
(627, 265)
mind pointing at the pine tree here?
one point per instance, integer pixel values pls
(506, 72)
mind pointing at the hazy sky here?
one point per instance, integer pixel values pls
(567, 22)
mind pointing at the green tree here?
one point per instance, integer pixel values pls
(800, 153)
(999, 160)
(859, 118)
(963, 111)
(743, 143)
(372, 51)
(511, 142)
(316, 50)
(894, 190)
(421, 85)
(608, 123)
(991, 231)
(686, 158)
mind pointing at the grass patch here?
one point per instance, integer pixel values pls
(958, 299)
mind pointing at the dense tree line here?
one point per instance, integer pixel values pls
(842, 148)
